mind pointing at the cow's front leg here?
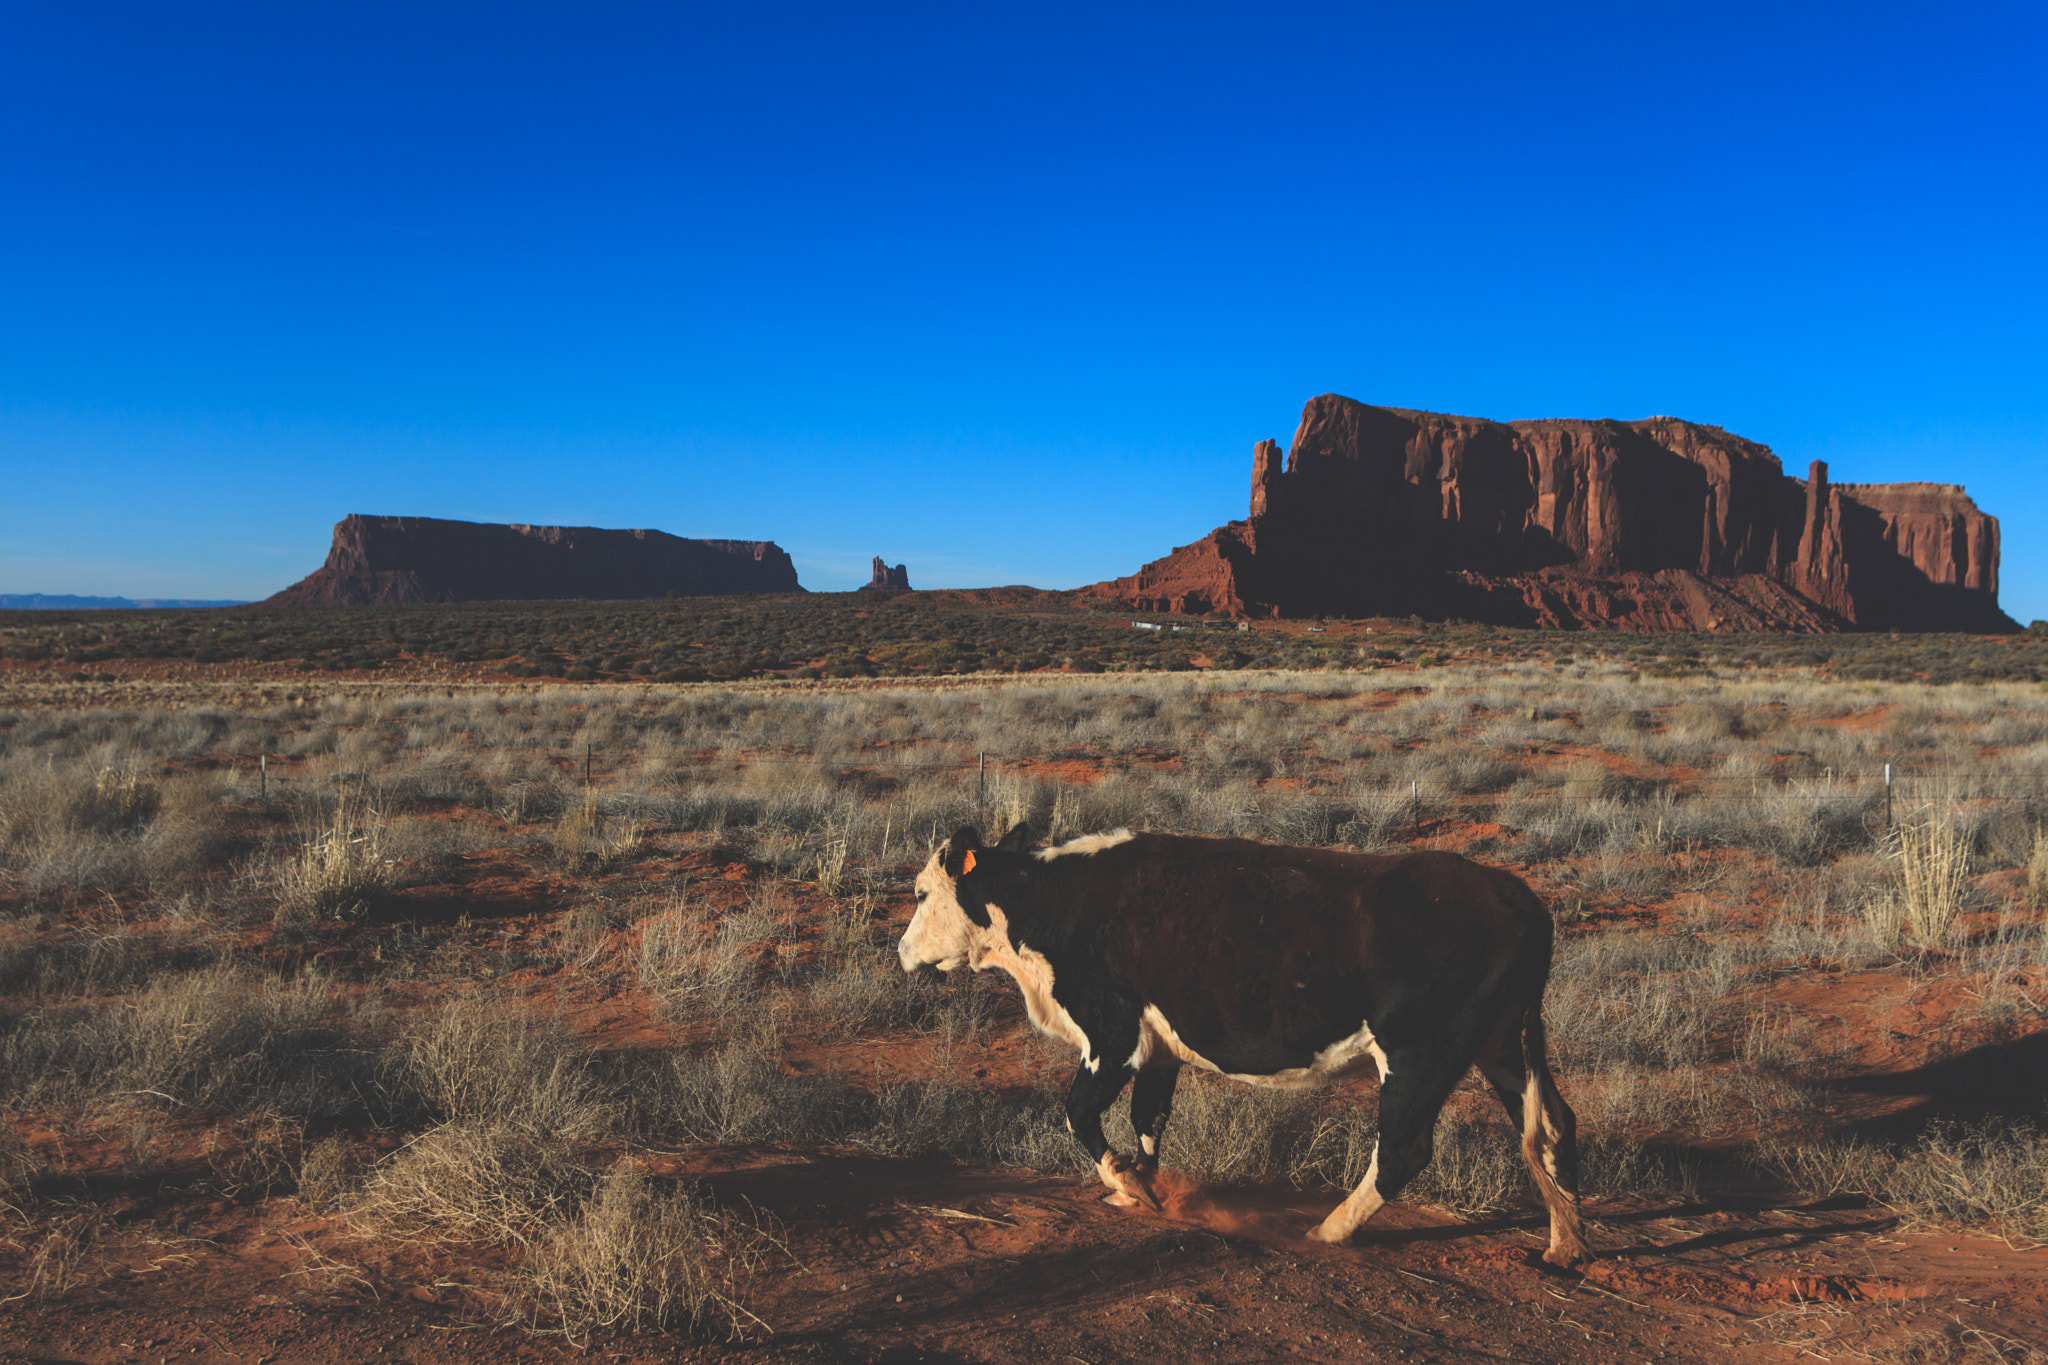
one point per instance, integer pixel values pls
(1151, 1106)
(1093, 1091)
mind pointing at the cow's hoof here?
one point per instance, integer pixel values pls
(1117, 1199)
(1137, 1193)
(1323, 1233)
(1128, 1187)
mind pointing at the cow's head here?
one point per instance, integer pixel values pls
(952, 924)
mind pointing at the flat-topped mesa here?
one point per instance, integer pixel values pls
(1657, 524)
(426, 559)
(886, 579)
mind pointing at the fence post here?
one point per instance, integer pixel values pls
(263, 777)
(1887, 796)
(981, 786)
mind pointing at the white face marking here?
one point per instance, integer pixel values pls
(1156, 1036)
(941, 935)
(1087, 843)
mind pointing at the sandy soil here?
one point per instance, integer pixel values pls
(908, 1261)
(896, 1260)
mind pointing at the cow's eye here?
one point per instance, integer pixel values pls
(921, 894)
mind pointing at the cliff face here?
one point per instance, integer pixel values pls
(1657, 524)
(425, 559)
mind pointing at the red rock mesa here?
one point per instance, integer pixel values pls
(425, 559)
(1651, 525)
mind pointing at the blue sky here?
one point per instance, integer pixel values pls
(1003, 293)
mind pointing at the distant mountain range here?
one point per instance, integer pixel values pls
(64, 601)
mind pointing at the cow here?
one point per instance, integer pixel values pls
(1272, 965)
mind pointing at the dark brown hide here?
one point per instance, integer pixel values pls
(1274, 965)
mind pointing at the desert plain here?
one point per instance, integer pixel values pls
(433, 1011)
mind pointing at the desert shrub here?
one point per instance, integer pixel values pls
(85, 961)
(1223, 1130)
(1814, 928)
(940, 1119)
(701, 969)
(864, 991)
(1559, 826)
(486, 1060)
(1821, 1167)
(1932, 856)
(1379, 818)
(1806, 823)
(1637, 1000)
(588, 834)
(1615, 1163)
(94, 820)
(1989, 1173)
(737, 1093)
(528, 799)
(343, 860)
(1985, 1173)
(476, 1181)
(255, 1154)
(217, 1039)
(1301, 817)
(18, 1167)
(331, 1174)
(641, 1256)
(1469, 770)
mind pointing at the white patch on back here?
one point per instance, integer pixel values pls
(1087, 843)
(1156, 1037)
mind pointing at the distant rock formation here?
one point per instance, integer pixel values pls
(887, 579)
(426, 559)
(45, 601)
(1651, 525)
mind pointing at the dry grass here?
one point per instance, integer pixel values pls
(213, 1040)
(472, 1180)
(642, 1256)
(1933, 856)
(483, 1059)
(2037, 871)
(1988, 1173)
(588, 834)
(343, 861)
(1718, 807)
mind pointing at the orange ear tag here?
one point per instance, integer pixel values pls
(967, 863)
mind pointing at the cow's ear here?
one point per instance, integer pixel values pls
(960, 851)
(1019, 840)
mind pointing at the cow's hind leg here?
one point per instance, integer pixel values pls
(1550, 1144)
(1092, 1092)
(1413, 1091)
(1151, 1106)
(1515, 1062)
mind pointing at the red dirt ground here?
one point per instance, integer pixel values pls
(910, 1261)
(898, 1261)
